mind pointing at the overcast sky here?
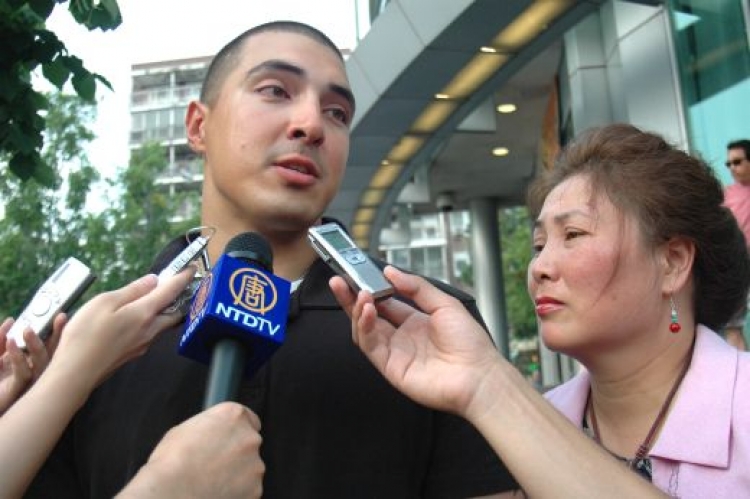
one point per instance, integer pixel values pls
(156, 30)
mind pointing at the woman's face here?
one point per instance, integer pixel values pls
(594, 283)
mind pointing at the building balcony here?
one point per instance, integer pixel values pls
(164, 97)
(163, 135)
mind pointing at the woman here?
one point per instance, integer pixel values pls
(636, 264)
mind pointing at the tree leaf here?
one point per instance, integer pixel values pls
(104, 81)
(75, 64)
(39, 100)
(79, 9)
(45, 47)
(56, 72)
(26, 45)
(21, 141)
(42, 7)
(114, 12)
(104, 15)
(22, 165)
(85, 85)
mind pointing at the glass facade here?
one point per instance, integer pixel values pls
(711, 46)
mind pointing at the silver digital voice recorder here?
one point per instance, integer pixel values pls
(58, 294)
(338, 250)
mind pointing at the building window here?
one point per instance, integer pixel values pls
(711, 44)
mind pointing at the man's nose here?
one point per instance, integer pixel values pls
(306, 123)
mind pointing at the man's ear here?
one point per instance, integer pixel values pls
(195, 122)
(679, 256)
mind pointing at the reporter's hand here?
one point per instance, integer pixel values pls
(18, 369)
(116, 326)
(438, 357)
(213, 454)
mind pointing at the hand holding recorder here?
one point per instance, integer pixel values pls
(117, 326)
(107, 331)
(57, 294)
(420, 351)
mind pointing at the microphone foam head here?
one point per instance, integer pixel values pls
(253, 247)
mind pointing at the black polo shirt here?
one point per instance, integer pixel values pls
(332, 426)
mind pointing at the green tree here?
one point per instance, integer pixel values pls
(41, 226)
(515, 231)
(27, 46)
(515, 238)
(141, 219)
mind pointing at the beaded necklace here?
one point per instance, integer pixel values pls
(638, 462)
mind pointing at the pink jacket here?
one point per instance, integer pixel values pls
(704, 447)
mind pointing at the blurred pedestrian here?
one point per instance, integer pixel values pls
(737, 199)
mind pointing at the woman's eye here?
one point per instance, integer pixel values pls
(572, 234)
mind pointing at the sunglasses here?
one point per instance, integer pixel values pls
(734, 162)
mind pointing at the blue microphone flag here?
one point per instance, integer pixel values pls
(240, 300)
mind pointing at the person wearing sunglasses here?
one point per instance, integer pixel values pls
(737, 199)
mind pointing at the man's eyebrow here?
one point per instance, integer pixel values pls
(287, 67)
(275, 65)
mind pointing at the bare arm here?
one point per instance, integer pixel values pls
(106, 332)
(444, 359)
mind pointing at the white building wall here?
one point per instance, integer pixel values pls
(621, 68)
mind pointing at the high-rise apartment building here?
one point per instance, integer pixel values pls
(160, 95)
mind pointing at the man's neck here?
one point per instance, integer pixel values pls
(292, 253)
(292, 259)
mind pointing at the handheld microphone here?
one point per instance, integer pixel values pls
(238, 316)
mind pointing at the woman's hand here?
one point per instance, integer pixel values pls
(18, 370)
(438, 356)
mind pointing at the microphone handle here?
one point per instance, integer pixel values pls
(228, 361)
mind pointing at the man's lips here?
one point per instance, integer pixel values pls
(297, 170)
(299, 164)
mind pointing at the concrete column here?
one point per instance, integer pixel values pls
(488, 270)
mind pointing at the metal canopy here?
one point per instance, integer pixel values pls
(414, 48)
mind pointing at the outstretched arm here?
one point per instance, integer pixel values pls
(441, 357)
(107, 331)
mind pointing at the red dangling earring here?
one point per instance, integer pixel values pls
(674, 327)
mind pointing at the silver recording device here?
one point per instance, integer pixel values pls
(196, 250)
(338, 250)
(58, 294)
(186, 256)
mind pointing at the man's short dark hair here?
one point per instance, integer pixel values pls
(226, 58)
(741, 144)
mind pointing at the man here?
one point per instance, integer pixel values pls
(272, 125)
(737, 199)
